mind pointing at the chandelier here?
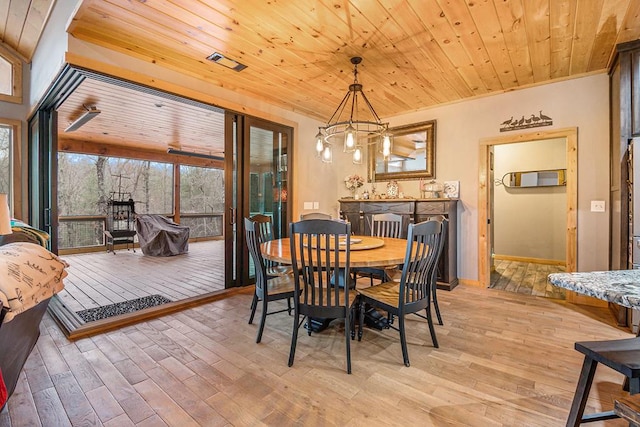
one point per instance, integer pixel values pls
(354, 123)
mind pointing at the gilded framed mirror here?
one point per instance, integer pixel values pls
(413, 154)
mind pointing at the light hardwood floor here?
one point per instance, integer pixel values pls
(504, 359)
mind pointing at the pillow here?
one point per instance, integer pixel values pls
(29, 274)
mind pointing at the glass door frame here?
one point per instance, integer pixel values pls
(238, 189)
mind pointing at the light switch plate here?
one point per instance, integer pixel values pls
(316, 205)
(308, 205)
(597, 206)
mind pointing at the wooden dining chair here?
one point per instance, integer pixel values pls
(265, 224)
(320, 290)
(434, 274)
(314, 215)
(267, 289)
(412, 293)
(382, 225)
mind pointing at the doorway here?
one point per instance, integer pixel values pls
(259, 174)
(178, 140)
(486, 196)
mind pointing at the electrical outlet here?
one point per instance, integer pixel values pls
(597, 206)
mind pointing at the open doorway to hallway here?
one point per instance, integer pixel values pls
(561, 239)
(528, 216)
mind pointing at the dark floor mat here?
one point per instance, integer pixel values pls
(93, 314)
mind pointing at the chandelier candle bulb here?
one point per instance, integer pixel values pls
(327, 155)
(357, 156)
(319, 143)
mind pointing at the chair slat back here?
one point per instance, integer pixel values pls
(253, 236)
(319, 279)
(314, 215)
(265, 225)
(386, 225)
(420, 260)
(444, 221)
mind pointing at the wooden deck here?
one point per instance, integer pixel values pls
(100, 278)
(505, 359)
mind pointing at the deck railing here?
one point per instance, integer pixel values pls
(87, 231)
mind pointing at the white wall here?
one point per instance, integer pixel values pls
(529, 222)
(48, 57)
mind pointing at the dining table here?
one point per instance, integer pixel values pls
(365, 251)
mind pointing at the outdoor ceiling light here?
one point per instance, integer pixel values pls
(355, 128)
(84, 118)
(219, 58)
(194, 154)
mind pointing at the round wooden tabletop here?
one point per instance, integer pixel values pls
(374, 254)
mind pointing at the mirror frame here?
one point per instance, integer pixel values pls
(561, 173)
(429, 130)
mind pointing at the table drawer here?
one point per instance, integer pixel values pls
(430, 208)
(350, 207)
(388, 207)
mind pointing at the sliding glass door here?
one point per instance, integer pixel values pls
(258, 182)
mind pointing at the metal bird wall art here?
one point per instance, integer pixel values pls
(526, 122)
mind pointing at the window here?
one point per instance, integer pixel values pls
(87, 182)
(9, 169)
(10, 76)
(6, 139)
(202, 200)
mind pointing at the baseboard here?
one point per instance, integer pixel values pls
(468, 282)
(530, 260)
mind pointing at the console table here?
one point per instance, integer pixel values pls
(359, 213)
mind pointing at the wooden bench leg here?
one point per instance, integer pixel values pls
(582, 392)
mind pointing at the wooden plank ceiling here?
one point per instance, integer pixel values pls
(416, 53)
(21, 24)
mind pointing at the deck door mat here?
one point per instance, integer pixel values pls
(97, 313)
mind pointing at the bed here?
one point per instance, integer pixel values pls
(29, 276)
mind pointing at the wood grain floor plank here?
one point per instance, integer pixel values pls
(164, 406)
(82, 370)
(74, 401)
(105, 405)
(22, 407)
(119, 421)
(50, 408)
(36, 372)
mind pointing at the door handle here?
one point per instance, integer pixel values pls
(232, 216)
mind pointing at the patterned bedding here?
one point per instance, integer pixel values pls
(29, 274)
